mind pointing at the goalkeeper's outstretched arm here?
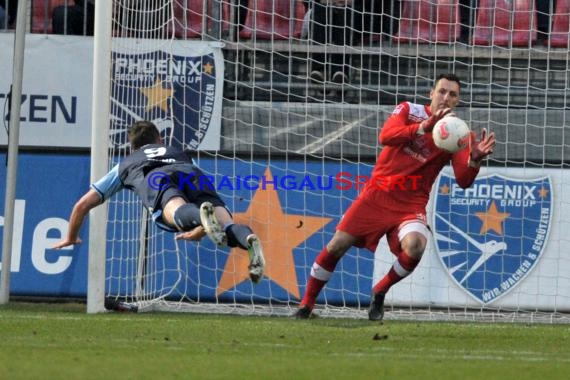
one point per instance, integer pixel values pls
(88, 201)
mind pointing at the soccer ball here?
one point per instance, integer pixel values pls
(451, 134)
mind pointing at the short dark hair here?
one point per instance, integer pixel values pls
(449, 76)
(142, 133)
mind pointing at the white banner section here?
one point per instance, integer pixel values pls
(499, 244)
(177, 84)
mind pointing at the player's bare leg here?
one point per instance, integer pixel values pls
(185, 217)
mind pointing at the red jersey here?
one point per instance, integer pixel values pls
(409, 163)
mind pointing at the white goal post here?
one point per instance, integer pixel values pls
(99, 154)
(288, 150)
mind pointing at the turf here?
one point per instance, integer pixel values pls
(61, 341)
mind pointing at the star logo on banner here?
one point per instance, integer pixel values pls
(492, 219)
(280, 234)
(444, 189)
(208, 68)
(157, 96)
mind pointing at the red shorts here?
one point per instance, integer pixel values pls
(368, 221)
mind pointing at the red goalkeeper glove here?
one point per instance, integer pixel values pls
(482, 148)
(428, 124)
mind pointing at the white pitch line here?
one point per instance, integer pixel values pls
(328, 138)
(495, 356)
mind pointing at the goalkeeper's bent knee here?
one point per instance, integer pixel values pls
(187, 217)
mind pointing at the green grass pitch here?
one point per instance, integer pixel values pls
(61, 341)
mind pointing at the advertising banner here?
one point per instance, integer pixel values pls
(494, 244)
(497, 244)
(178, 86)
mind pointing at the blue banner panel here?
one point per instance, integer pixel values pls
(489, 237)
(47, 187)
(179, 90)
(293, 206)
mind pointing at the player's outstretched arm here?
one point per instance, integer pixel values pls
(478, 150)
(90, 200)
(467, 161)
(398, 131)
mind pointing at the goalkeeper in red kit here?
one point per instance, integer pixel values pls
(398, 209)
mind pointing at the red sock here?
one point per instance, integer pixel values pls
(403, 266)
(321, 272)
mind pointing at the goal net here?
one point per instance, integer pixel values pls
(284, 112)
